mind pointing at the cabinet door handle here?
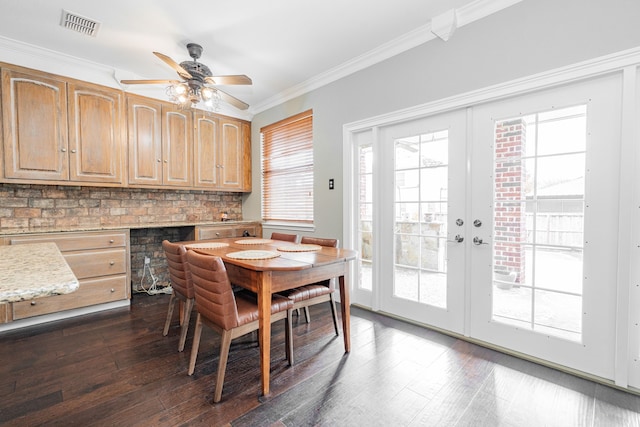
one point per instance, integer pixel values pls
(64, 150)
(159, 160)
(73, 151)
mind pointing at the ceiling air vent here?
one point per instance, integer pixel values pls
(80, 24)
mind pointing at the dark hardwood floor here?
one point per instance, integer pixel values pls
(116, 369)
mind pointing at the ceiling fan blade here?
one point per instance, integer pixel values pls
(173, 64)
(232, 100)
(239, 79)
(147, 82)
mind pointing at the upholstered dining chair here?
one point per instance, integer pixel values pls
(230, 314)
(284, 237)
(317, 293)
(182, 289)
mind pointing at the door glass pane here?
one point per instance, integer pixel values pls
(539, 221)
(365, 215)
(420, 229)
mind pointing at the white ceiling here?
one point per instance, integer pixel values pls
(285, 46)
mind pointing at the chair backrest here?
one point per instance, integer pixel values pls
(178, 270)
(331, 243)
(214, 296)
(284, 237)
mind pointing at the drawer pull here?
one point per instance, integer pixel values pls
(112, 262)
(111, 241)
(33, 303)
(217, 234)
(112, 290)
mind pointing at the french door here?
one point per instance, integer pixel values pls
(410, 205)
(499, 222)
(544, 253)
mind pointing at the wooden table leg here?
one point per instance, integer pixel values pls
(345, 305)
(264, 318)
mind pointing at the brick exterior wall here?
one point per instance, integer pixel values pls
(510, 178)
(41, 208)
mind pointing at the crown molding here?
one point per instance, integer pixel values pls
(465, 15)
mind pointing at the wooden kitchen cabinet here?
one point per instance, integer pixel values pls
(208, 232)
(222, 155)
(96, 134)
(34, 120)
(100, 261)
(160, 143)
(60, 130)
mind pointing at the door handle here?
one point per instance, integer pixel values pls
(478, 241)
(457, 239)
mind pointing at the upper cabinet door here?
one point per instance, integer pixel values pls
(34, 126)
(231, 155)
(177, 146)
(145, 140)
(96, 140)
(205, 147)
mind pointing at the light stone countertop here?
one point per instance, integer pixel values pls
(34, 270)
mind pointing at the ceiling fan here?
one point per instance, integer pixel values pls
(196, 83)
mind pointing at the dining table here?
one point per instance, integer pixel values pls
(267, 266)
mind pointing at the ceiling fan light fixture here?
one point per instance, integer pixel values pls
(193, 90)
(207, 93)
(187, 96)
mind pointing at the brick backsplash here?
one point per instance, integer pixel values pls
(38, 208)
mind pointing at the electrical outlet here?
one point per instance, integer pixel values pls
(147, 260)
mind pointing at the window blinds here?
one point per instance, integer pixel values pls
(287, 169)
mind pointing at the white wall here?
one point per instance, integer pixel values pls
(527, 38)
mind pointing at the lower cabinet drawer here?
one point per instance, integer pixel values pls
(97, 262)
(76, 241)
(215, 233)
(90, 292)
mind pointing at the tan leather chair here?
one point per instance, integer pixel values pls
(182, 289)
(230, 314)
(285, 237)
(317, 293)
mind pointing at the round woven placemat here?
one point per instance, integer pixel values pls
(252, 255)
(207, 245)
(253, 241)
(299, 248)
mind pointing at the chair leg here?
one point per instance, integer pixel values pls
(289, 336)
(332, 301)
(196, 344)
(307, 316)
(167, 323)
(188, 307)
(225, 343)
